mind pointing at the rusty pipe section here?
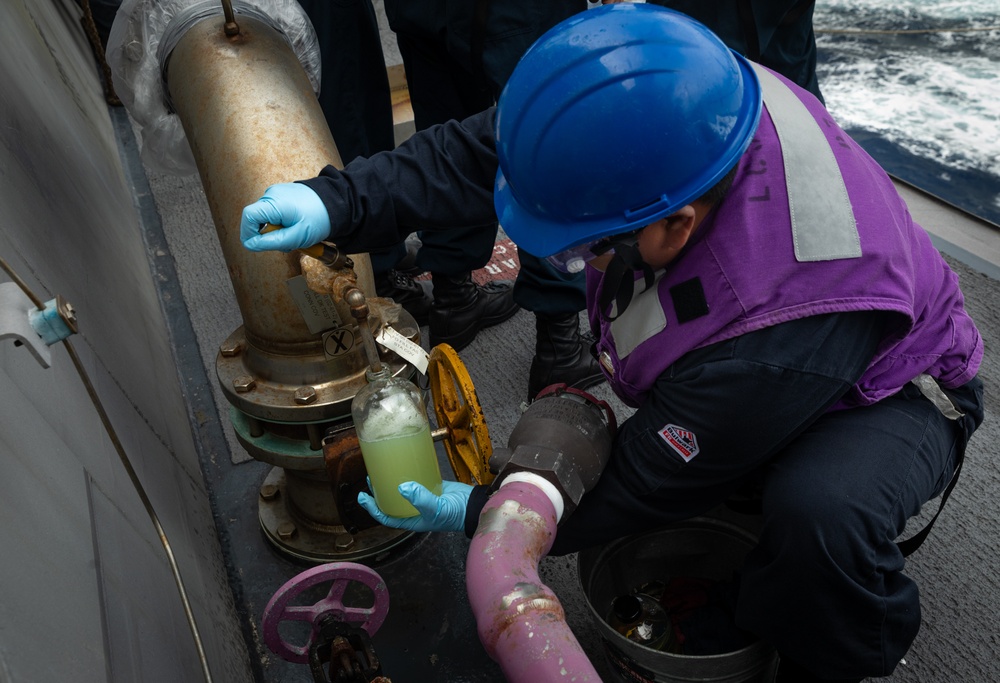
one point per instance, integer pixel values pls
(520, 620)
(355, 298)
(252, 120)
(230, 27)
(345, 289)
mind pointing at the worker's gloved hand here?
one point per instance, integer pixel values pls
(437, 513)
(292, 205)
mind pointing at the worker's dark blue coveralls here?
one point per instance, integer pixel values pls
(354, 87)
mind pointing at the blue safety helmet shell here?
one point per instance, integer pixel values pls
(614, 118)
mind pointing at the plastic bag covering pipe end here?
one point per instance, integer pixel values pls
(133, 53)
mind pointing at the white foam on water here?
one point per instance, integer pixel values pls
(395, 417)
(979, 12)
(935, 95)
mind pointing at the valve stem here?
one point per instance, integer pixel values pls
(231, 28)
(355, 298)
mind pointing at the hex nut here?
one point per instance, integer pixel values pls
(286, 530)
(244, 383)
(66, 312)
(230, 349)
(269, 491)
(344, 542)
(305, 395)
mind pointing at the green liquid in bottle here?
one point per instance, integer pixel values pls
(391, 461)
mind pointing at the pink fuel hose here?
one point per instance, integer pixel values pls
(521, 622)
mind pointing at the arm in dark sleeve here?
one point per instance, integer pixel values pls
(441, 177)
(477, 501)
(728, 408)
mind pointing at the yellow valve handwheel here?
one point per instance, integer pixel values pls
(457, 409)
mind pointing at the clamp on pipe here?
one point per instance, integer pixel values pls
(564, 437)
(32, 323)
(55, 322)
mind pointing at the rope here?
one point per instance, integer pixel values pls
(90, 28)
(914, 31)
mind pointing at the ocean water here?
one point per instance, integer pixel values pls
(917, 83)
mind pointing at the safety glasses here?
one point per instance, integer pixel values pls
(575, 259)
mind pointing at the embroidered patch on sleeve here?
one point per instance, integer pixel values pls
(681, 440)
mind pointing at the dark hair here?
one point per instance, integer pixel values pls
(718, 192)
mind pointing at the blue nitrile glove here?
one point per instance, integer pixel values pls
(293, 205)
(437, 513)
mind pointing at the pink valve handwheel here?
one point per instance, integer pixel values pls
(341, 574)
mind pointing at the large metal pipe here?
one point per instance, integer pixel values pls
(290, 372)
(252, 120)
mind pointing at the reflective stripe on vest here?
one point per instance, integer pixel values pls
(643, 320)
(822, 219)
(823, 225)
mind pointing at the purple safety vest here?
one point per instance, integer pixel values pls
(812, 225)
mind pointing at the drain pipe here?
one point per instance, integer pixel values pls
(555, 454)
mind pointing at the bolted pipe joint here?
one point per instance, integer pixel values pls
(564, 437)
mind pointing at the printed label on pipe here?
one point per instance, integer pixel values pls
(317, 309)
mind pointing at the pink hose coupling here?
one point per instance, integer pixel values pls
(520, 620)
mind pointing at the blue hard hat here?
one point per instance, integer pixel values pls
(614, 118)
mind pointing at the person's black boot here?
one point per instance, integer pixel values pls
(562, 356)
(461, 308)
(791, 672)
(414, 297)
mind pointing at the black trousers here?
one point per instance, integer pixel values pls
(456, 62)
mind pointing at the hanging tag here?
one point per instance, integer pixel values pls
(408, 350)
(318, 310)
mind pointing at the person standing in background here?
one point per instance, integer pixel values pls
(357, 101)
(776, 33)
(457, 55)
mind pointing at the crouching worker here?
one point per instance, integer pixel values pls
(760, 294)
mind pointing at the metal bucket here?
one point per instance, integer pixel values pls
(699, 548)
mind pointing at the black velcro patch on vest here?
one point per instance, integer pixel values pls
(689, 300)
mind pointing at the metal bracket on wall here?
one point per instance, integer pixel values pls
(15, 323)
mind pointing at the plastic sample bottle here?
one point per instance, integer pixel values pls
(642, 620)
(395, 438)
